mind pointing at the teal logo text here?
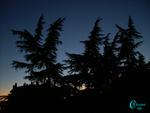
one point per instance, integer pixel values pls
(133, 104)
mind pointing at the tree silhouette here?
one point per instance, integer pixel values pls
(91, 52)
(114, 61)
(87, 63)
(127, 53)
(110, 61)
(42, 57)
(29, 44)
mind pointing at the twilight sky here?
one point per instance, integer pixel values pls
(80, 17)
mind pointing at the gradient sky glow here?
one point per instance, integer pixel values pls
(80, 17)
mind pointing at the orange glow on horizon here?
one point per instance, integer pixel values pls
(65, 97)
(2, 98)
(72, 94)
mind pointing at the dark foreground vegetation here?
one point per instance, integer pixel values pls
(111, 79)
(115, 96)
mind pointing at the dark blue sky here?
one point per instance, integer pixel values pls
(80, 17)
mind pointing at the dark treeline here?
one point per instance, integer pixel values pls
(112, 79)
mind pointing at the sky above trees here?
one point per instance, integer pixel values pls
(80, 18)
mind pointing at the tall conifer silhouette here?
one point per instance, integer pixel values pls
(30, 45)
(42, 57)
(88, 63)
(92, 48)
(128, 46)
